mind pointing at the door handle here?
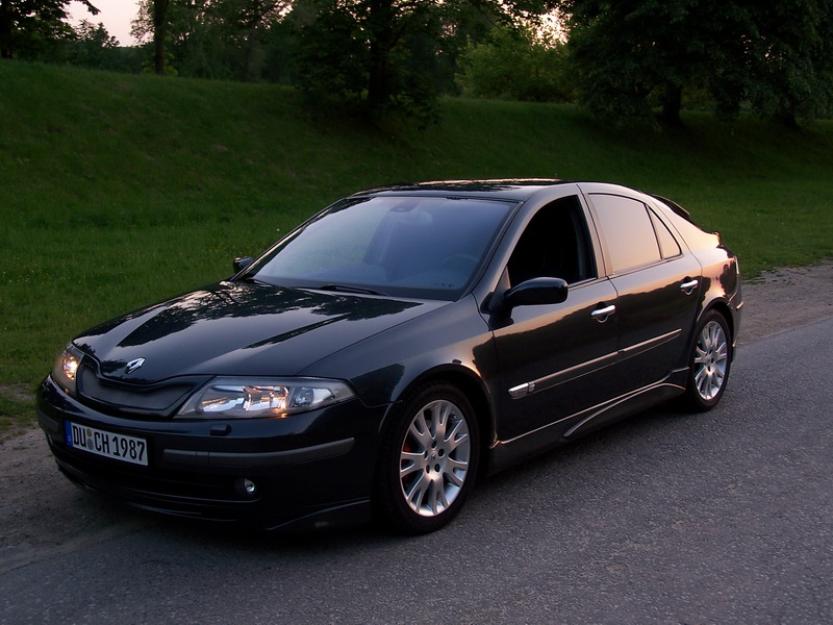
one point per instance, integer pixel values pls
(688, 286)
(601, 314)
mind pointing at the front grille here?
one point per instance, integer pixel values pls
(160, 399)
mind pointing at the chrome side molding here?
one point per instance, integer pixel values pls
(595, 411)
(589, 366)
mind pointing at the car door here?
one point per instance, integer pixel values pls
(555, 358)
(656, 282)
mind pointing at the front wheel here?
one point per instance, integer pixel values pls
(710, 362)
(429, 460)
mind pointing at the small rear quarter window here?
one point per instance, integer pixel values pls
(668, 245)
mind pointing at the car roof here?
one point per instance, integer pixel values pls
(505, 188)
(514, 189)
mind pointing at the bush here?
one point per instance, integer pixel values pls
(516, 64)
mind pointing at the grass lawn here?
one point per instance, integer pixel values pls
(121, 190)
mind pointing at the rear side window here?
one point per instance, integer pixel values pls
(668, 245)
(627, 230)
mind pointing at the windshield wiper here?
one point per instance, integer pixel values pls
(343, 288)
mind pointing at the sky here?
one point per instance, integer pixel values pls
(116, 16)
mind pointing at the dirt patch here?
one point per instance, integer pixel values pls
(785, 298)
(41, 512)
(16, 410)
(16, 392)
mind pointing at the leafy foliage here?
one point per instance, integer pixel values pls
(91, 45)
(398, 50)
(792, 64)
(623, 59)
(378, 54)
(211, 38)
(332, 57)
(628, 55)
(518, 64)
(28, 27)
(632, 55)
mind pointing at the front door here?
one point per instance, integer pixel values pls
(555, 358)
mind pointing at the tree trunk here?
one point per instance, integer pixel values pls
(672, 101)
(160, 28)
(6, 45)
(251, 50)
(787, 117)
(380, 29)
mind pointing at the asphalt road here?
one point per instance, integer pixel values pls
(719, 518)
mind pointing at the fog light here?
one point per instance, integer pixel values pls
(248, 487)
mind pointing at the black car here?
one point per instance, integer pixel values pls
(394, 347)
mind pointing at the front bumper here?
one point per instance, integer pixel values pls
(312, 469)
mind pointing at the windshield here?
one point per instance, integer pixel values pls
(421, 247)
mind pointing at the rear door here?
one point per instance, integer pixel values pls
(657, 284)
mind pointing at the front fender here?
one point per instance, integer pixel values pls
(452, 341)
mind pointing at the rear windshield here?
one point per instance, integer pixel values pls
(421, 247)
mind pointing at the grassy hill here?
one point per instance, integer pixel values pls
(120, 190)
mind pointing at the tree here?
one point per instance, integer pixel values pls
(464, 24)
(166, 28)
(791, 67)
(516, 63)
(209, 38)
(631, 55)
(251, 17)
(159, 13)
(91, 45)
(385, 53)
(332, 56)
(27, 24)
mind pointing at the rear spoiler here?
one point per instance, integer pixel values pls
(675, 207)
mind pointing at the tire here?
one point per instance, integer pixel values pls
(436, 439)
(709, 363)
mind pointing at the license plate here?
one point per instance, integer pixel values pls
(107, 444)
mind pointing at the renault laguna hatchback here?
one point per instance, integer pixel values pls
(394, 348)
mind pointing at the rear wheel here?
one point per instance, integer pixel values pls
(710, 362)
(429, 460)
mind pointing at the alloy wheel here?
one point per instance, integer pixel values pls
(434, 458)
(711, 358)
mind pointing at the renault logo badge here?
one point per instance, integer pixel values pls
(134, 364)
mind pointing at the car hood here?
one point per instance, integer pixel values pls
(241, 329)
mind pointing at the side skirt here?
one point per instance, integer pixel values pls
(506, 453)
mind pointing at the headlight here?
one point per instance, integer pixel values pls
(240, 398)
(66, 368)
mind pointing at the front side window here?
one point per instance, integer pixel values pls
(555, 244)
(627, 231)
(408, 246)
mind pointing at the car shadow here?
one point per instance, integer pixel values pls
(496, 496)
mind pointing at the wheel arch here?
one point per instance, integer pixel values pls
(724, 308)
(717, 304)
(472, 386)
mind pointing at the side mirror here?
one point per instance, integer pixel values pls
(241, 262)
(535, 292)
